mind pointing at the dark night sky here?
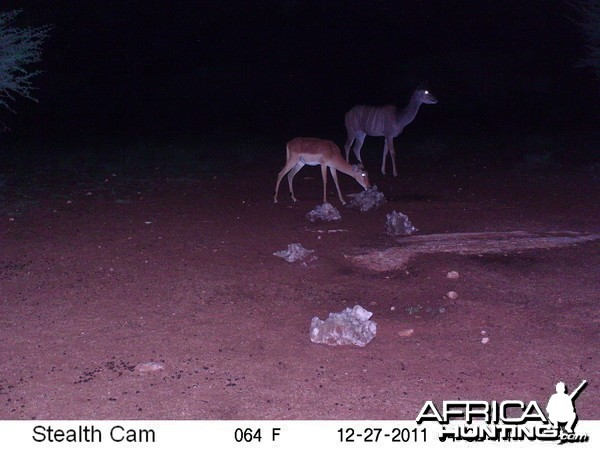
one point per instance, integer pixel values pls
(166, 69)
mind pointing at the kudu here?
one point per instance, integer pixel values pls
(387, 121)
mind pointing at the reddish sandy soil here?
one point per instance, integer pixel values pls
(98, 277)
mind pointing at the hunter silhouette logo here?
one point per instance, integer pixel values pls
(561, 407)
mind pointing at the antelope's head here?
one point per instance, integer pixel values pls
(361, 176)
(425, 96)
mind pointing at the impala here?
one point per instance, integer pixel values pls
(313, 151)
(387, 121)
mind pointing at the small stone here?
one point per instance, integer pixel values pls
(485, 340)
(326, 212)
(351, 326)
(295, 252)
(149, 367)
(406, 332)
(453, 275)
(367, 200)
(398, 224)
(452, 295)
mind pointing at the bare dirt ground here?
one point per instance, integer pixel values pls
(99, 276)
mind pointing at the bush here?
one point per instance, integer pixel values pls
(589, 23)
(19, 49)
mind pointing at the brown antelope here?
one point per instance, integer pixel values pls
(314, 151)
(387, 121)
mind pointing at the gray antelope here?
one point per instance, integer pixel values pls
(387, 121)
(313, 152)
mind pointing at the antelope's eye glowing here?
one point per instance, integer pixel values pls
(427, 92)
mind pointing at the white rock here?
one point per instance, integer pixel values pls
(294, 252)
(398, 224)
(406, 333)
(367, 200)
(326, 212)
(149, 367)
(349, 327)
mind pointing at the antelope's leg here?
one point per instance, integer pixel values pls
(358, 143)
(385, 153)
(288, 166)
(348, 145)
(337, 185)
(291, 176)
(390, 145)
(324, 175)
